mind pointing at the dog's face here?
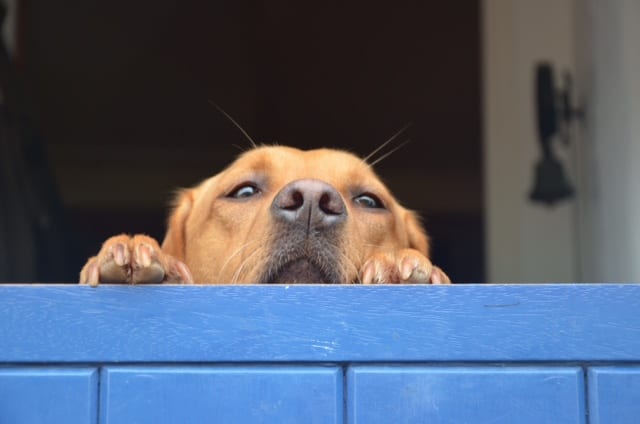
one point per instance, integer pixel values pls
(283, 215)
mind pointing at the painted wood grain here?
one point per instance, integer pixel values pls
(139, 324)
(481, 394)
(48, 395)
(241, 394)
(614, 394)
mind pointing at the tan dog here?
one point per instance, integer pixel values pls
(278, 215)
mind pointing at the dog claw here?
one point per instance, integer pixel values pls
(368, 272)
(146, 267)
(184, 273)
(92, 275)
(120, 254)
(406, 266)
(143, 255)
(439, 277)
(133, 260)
(413, 271)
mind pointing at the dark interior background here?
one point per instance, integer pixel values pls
(119, 92)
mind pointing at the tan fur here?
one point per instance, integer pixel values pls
(221, 239)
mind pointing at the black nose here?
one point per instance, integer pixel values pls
(312, 203)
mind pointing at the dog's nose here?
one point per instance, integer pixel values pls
(312, 203)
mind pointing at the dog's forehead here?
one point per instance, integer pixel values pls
(317, 163)
(276, 155)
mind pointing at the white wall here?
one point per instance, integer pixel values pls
(525, 242)
(596, 237)
(611, 156)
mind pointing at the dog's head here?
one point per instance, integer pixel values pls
(283, 215)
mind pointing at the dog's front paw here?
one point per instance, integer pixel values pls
(406, 266)
(134, 260)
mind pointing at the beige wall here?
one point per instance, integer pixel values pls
(525, 242)
(596, 237)
(611, 154)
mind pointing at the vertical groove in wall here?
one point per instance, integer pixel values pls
(99, 395)
(345, 394)
(585, 371)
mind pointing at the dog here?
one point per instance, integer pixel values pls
(278, 215)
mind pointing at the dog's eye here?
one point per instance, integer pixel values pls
(244, 191)
(368, 201)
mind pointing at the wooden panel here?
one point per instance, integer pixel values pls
(614, 395)
(48, 395)
(465, 395)
(319, 323)
(221, 394)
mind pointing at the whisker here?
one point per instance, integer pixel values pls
(242, 149)
(353, 266)
(235, 253)
(347, 266)
(233, 121)
(238, 273)
(389, 153)
(383, 145)
(370, 245)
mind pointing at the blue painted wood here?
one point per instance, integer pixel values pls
(319, 323)
(48, 395)
(221, 394)
(477, 395)
(614, 395)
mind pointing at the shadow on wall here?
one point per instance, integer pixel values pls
(34, 238)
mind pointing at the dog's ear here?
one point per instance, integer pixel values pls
(174, 240)
(418, 238)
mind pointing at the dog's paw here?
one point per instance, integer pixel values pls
(134, 260)
(406, 266)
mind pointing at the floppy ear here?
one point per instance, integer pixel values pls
(174, 240)
(418, 239)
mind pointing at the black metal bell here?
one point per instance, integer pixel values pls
(554, 114)
(551, 184)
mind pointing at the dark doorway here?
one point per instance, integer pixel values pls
(120, 92)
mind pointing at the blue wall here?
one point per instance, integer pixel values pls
(305, 354)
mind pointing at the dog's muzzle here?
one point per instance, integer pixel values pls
(309, 215)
